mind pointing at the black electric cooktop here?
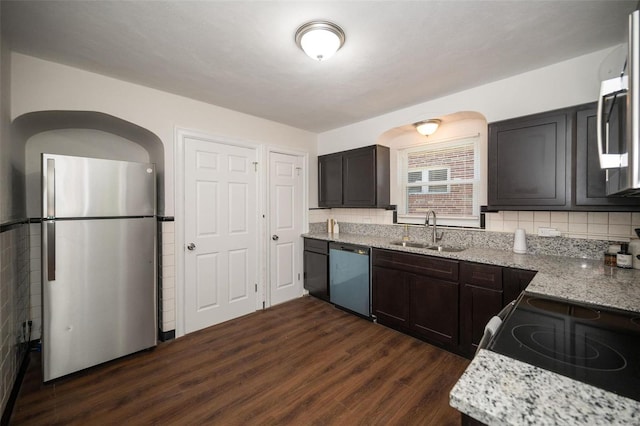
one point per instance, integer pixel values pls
(594, 345)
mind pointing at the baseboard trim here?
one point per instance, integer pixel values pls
(163, 336)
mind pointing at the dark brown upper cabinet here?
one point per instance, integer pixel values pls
(330, 180)
(530, 163)
(590, 179)
(549, 161)
(354, 178)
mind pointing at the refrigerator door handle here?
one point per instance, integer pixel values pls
(51, 251)
(51, 188)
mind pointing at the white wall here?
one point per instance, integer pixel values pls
(567, 83)
(39, 85)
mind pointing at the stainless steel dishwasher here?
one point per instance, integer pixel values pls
(349, 278)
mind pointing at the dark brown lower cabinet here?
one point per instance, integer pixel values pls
(478, 305)
(515, 281)
(434, 309)
(470, 421)
(316, 268)
(408, 297)
(443, 301)
(390, 296)
(480, 299)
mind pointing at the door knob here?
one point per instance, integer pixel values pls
(191, 246)
(275, 238)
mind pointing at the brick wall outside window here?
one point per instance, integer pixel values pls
(459, 200)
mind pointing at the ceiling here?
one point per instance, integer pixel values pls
(241, 54)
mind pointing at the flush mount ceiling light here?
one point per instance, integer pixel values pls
(427, 127)
(320, 39)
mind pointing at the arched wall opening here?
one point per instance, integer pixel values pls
(453, 127)
(84, 134)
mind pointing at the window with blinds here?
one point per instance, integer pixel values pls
(443, 177)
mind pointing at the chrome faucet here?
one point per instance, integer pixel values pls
(434, 234)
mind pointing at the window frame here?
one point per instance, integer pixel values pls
(472, 221)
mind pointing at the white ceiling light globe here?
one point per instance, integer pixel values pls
(428, 127)
(320, 44)
(320, 40)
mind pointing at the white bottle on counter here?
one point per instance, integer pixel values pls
(520, 241)
(336, 228)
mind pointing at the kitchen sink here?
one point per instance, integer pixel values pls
(416, 244)
(413, 244)
(446, 248)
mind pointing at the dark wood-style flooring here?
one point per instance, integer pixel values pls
(300, 363)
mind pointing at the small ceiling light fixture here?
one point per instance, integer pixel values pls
(427, 127)
(320, 39)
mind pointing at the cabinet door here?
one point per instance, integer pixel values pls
(478, 305)
(530, 162)
(359, 174)
(515, 281)
(590, 179)
(480, 299)
(316, 274)
(390, 294)
(434, 309)
(330, 180)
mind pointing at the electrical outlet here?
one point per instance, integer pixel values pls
(548, 232)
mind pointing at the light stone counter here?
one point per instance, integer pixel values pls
(498, 390)
(580, 280)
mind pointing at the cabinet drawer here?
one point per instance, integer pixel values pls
(485, 276)
(316, 246)
(429, 266)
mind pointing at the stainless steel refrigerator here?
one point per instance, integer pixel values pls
(98, 261)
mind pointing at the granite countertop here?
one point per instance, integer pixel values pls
(580, 280)
(498, 390)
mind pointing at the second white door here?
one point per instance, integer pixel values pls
(285, 225)
(220, 231)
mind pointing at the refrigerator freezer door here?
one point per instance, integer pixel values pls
(102, 303)
(75, 187)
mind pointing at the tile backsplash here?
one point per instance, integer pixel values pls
(606, 226)
(375, 216)
(583, 234)
(35, 280)
(14, 304)
(166, 276)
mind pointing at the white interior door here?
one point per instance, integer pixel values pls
(221, 263)
(285, 224)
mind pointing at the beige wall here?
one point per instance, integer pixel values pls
(39, 85)
(567, 83)
(14, 239)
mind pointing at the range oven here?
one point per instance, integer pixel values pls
(595, 345)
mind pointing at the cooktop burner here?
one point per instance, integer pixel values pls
(562, 308)
(588, 353)
(587, 343)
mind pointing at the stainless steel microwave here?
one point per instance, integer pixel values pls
(618, 121)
